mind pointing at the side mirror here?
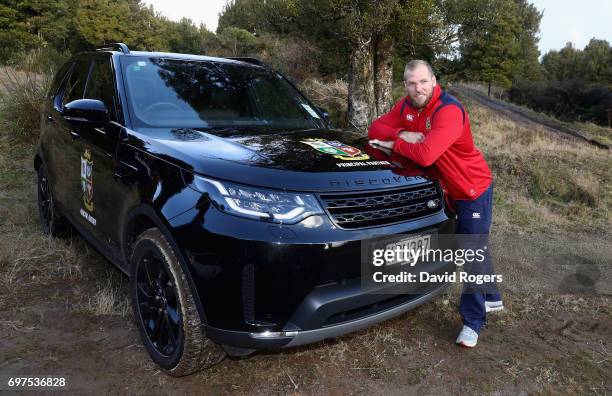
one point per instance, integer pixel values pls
(90, 111)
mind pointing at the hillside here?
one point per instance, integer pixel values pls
(64, 309)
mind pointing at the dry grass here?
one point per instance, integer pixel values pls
(21, 97)
(543, 341)
(30, 260)
(110, 298)
(601, 134)
(542, 180)
(23, 86)
(594, 131)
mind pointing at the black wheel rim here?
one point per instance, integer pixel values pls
(45, 203)
(158, 304)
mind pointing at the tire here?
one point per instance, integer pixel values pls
(164, 309)
(51, 220)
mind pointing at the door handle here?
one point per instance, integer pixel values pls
(74, 134)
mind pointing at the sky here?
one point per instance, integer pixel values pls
(577, 21)
(564, 20)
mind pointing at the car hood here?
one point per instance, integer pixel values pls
(302, 160)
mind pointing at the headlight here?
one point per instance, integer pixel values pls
(259, 203)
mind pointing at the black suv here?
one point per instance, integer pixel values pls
(235, 208)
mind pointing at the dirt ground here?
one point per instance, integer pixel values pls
(543, 343)
(64, 311)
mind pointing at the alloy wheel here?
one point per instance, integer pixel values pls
(158, 304)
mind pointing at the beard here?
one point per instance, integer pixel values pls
(418, 102)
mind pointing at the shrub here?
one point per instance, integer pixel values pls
(569, 100)
(23, 86)
(332, 96)
(295, 58)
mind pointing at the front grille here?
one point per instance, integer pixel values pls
(367, 209)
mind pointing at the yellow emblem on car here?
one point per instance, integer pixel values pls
(87, 180)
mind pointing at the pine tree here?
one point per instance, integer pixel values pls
(492, 53)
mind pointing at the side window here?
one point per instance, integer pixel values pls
(55, 92)
(101, 85)
(59, 78)
(75, 83)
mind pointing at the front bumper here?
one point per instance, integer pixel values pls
(291, 338)
(268, 286)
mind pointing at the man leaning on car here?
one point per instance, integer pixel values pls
(431, 128)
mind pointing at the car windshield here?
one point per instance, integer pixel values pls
(178, 93)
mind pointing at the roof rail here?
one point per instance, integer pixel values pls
(114, 46)
(247, 59)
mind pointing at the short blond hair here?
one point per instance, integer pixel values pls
(413, 64)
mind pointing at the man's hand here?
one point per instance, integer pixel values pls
(388, 144)
(411, 137)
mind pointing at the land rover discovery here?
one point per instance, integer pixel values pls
(236, 209)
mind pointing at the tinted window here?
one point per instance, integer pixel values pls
(55, 91)
(59, 77)
(265, 95)
(75, 84)
(101, 85)
(203, 94)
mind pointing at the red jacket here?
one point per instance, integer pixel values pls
(448, 144)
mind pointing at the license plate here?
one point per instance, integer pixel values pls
(412, 244)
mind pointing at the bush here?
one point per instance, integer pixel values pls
(332, 96)
(23, 86)
(569, 100)
(297, 59)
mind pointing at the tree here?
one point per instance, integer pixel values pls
(14, 35)
(238, 42)
(353, 33)
(592, 65)
(146, 28)
(28, 24)
(563, 64)
(185, 37)
(528, 66)
(370, 30)
(103, 21)
(491, 54)
(596, 62)
(246, 14)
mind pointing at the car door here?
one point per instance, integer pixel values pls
(100, 191)
(63, 148)
(53, 137)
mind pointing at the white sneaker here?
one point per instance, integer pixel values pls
(467, 338)
(492, 306)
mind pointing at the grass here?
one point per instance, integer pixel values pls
(29, 259)
(21, 95)
(589, 130)
(110, 298)
(543, 181)
(593, 131)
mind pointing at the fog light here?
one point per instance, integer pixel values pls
(274, 334)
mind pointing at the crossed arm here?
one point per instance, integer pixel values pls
(424, 151)
(407, 136)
